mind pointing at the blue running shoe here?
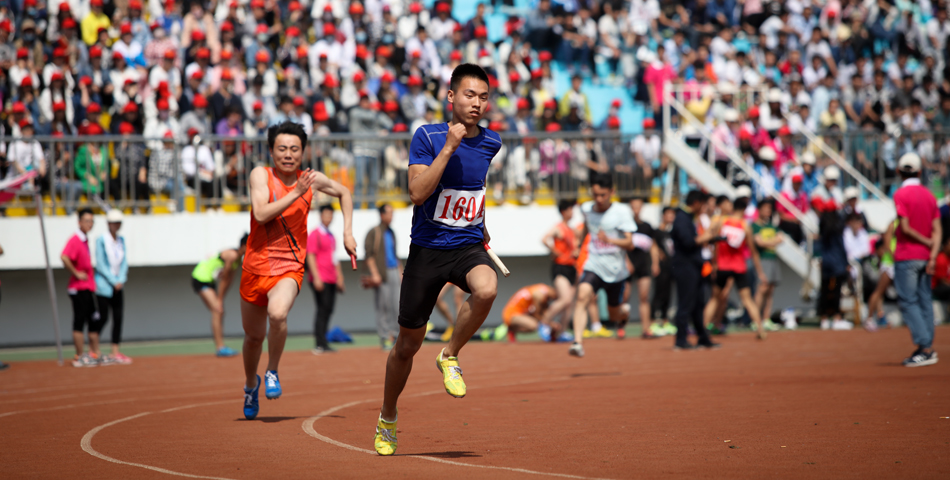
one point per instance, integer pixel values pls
(251, 406)
(565, 337)
(271, 385)
(544, 331)
(225, 352)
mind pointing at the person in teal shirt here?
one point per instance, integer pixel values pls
(205, 282)
(112, 272)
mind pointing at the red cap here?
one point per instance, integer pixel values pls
(784, 130)
(329, 8)
(226, 54)
(262, 56)
(129, 81)
(754, 112)
(400, 128)
(544, 56)
(203, 53)
(319, 107)
(192, 131)
(59, 106)
(483, 53)
(455, 56)
(416, 54)
(59, 52)
(130, 108)
(358, 77)
(492, 81)
(415, 81)
(553, 127)
(415, 7)
(26, 82)
(226, 74)
(133, 5)
(169, 134)
(197, 36)
(95, 3)
(376, 106)
(536, 74)
(29, 3)
(649, 124)
(495, 126)
(523, 103)
(169, 54)
(233, 4)
(745, 134)
(86, 80)
(126, 128)
(616, 103)
(302, 51)
(6, 25)
(613, 122)
(458, 28)
(117, 55)
(258, 105)
(481, 31)
(198, 75)
(69, 23)
(443, 7)
(293, 32)
(25, 123)
(330, 81)
(25, 53)
(361, 51)
(125, 28)
(550, 103)
(390, 106)
(513, 77)
(64, 6)
(294, 6)
(95, 52)
(329, 29)
(299, 101)
(94, 129)
(261, 28)
(162, 86)
(56, 76)
(386, 77)
(383, 51)
(320, 115)
(257, 3)
(162, 104)
(356, 9)
(227, 26)
(19, 107)
(797, 178)
(200, 101)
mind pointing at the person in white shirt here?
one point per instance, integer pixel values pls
(197, 164)
(26, 154)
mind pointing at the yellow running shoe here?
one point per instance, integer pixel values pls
(451, 375)
(386, 436)
(603, 333)
(448, 334)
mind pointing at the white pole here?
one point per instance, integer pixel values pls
(49, 280)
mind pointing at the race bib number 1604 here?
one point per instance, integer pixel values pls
(460, 208)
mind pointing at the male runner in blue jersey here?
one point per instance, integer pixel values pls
(448, 163)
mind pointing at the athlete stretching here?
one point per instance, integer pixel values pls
(277, 250)
(448, 163)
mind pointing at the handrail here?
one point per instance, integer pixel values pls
(841, 162)
(704, 130)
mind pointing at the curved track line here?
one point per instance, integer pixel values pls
(308, 427)
(86, 444)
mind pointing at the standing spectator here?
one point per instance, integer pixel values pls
(26, 154)
(367, 122)
(162, 170)
(767, 238)
(687, 267)
(834, 269)
(385, 272)
(918, 243)
(132, 165)
(788, 220)
(81, 289)
(112, 271)
(326, 277)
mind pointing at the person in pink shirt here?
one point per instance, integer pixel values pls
(657, 73)
(82, 292)
(918, 243)
(788, 223)
(325, 276)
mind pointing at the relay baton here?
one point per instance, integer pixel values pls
(501, 266)
(353, 261)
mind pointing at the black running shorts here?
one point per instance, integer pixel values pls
(741, 280)
(642, 264)
(427, 271)
(198, 285)
(614, 290)
(566, 271)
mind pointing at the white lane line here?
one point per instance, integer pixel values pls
(309, 428)
(86, 444)
(112, 402)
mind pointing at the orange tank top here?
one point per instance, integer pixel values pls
(731, 253)
(280, 245)
(564, 246)
(522, 301)
(582, 255)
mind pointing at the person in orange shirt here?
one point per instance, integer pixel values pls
(277, 250)
(527, 311)
(561, 241)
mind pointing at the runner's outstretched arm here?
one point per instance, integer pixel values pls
(262, 208)
(335, 189)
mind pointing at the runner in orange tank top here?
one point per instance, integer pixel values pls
(561, 241)
(737, 242)
(276, 252)
(528, 309)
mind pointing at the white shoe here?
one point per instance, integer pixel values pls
(841, 325)
(825, 324)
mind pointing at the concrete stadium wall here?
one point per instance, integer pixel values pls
(161, 305)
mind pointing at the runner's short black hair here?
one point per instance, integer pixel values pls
(722, 199)
(286, 128)
(767, 201)
(668, 209)
(602, 180)
(740, 204)
(243, 240)
(326, 207)
(565, 205)
(695, 196)
(467, 70)
(83, 211)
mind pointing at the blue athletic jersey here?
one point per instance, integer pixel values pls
(453, 216)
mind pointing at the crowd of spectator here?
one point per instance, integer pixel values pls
(171, 70)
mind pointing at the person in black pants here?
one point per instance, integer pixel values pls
(687, 264)
(663, 283)
(326, 277)
(112, 271)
